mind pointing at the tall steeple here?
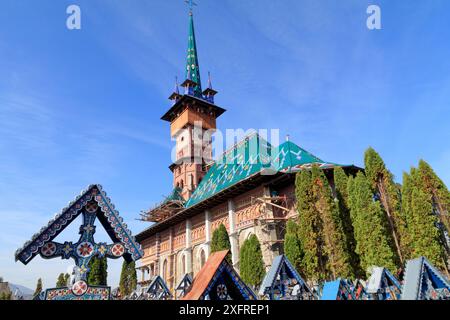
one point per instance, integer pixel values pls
(192, 118)
(192, 65)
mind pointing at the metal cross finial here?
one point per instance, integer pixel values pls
(191, 4)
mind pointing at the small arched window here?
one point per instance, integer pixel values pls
(165, 272)
(183, 265)
(202, 258)
(151, 271)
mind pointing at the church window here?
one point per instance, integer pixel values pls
(202, 258)
(183, 265)
(165, 272)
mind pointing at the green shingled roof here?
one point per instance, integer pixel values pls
(252, 156)
(174, 195)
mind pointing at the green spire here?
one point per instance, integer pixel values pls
(192, 66)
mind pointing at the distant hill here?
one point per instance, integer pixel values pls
(19, 290)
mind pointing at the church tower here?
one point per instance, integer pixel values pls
(192, 120)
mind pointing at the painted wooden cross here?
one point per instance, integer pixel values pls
(93, 205)
(85, 248)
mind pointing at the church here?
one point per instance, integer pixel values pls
(250, 188)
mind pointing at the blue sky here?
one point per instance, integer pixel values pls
(82, 107)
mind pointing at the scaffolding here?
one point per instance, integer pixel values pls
(163, 211)
(267, 220)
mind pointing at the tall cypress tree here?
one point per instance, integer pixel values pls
(251, 264)
(320, 229)
(98, 274)
(221, 241)
(38, 289)
(61, 282)
(440, 195)
(372, 234)
(385, 189)
(128, 278)
(66, 278)
(425, 236)
(313, 262)
(341, 191)
(333, 233)
(407, 188)
(292, 246)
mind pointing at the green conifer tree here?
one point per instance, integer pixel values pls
(385, 189)
(320, 229)
(251, 262)
(424, 236)
(407, 188)
(293, 247)
(341, 191)
(221, 241)
(128, 278)
(61, 282)
(66, 278)
(372, 234)
(309, 231)
(98, 274)
(6, 295)
(440, 195)
(333, 233)
(38, 288)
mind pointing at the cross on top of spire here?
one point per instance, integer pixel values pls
(191, 4)
(192, 65)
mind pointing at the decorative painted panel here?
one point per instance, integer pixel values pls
(216, 223)
(83, 293)
(179, 241)
(198, 234)
(219, 211)
(247, 216)
(198, 220)
(165, 246)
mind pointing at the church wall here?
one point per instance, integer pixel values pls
(249, 219)
(180, 266)
(246, 211)
(198, 257)
(198, 229)
(149, 247)
(165, 242)
(179, 240)
(219, 216)
(289, 191)
(244, 234)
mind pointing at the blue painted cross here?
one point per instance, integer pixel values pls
(86, 247)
